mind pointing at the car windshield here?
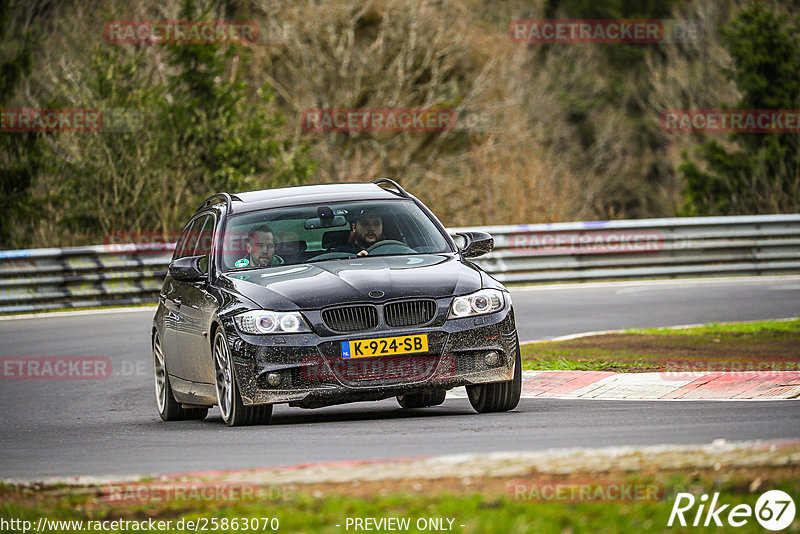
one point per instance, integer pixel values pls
(335, 231)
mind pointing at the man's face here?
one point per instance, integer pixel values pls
(368, 229)
(261, 248)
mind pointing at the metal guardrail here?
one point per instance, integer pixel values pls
(44, 279)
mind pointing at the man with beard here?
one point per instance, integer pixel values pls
(260, 247)
(367, 230)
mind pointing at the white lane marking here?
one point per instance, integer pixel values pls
(102, 311)
(631, 399)
(636, 289)
(569, 337)
(785, 288)
(651, 283)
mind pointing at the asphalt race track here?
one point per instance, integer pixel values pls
(111, 427)
(555, 310)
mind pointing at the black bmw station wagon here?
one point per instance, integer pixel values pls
(327, 294)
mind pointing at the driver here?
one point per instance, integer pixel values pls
(367, 230)
(260, 247)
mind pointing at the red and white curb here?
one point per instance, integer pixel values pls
(761, 385)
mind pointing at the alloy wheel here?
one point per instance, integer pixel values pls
(223, 376)
(160, 374)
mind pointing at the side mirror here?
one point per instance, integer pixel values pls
(188, 269)
(476, 244)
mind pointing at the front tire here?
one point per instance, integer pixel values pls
(422, 400)
(234, 412)
(498, 396)
(168, 408)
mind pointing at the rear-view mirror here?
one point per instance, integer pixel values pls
(328, 222)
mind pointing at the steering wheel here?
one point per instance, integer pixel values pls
(386, 243)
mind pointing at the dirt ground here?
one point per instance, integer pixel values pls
(738, 467)
(740, 479)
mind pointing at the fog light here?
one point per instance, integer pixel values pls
(491, 358)
(274, 379)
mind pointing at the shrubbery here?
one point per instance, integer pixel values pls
(559, 132)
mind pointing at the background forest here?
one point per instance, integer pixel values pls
(545, 132)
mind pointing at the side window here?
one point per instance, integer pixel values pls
(184, 242)
(205, 236)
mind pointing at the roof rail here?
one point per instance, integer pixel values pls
(215, 199)
(394, 184)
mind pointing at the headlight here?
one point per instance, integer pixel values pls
(478, 303)
(270, 322)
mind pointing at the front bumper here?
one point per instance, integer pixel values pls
(313, 373)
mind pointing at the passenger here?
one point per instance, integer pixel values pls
(260, 247)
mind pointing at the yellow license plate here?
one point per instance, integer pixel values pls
(384, 346)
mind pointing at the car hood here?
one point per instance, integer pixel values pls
(328, 283)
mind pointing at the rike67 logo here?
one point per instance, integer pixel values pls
(774, 510)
